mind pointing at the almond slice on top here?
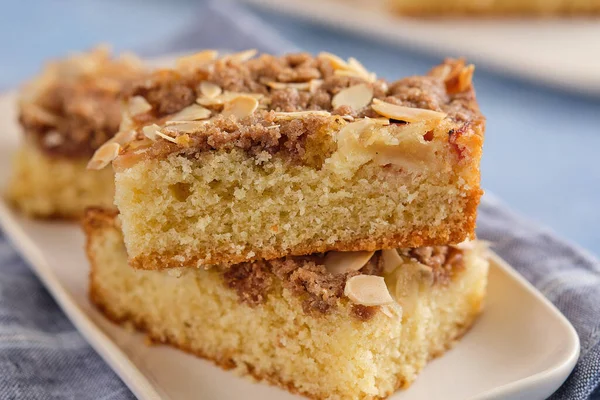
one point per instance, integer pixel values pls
(104, 155)
(210, 90)
(197, 60)
(152, 131)
(300, 114)
(391, 260)
(190, 113)
(402, 113)
(368, 290)
(339, 262)
(336, 61)
(138, 105)
(357, 97)
(240, 107)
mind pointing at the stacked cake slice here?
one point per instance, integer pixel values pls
(295, 218)
(66, 113)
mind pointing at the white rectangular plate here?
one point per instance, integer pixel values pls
(561, 52)
(520, 348)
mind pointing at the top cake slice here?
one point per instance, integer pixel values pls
(232, 159)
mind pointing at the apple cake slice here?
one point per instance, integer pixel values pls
(356, 325)
(66, 113)
(233, 159)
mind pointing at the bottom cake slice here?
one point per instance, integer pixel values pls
(335, 326)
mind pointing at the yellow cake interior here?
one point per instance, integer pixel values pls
(55, 187)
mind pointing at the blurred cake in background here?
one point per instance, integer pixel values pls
(67, 112)
(496, 7)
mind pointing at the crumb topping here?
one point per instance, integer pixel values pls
(276, 104)
(73, 107)
(321, 289)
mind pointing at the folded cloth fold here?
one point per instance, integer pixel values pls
(43, 356)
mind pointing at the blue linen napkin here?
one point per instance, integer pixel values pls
(42, 356)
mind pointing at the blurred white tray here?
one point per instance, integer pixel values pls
(522, 347)
(561, 52)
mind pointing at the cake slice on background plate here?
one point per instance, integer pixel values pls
(68, 112)
(327, 326)
(241, 158)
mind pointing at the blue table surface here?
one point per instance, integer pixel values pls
(541, 144)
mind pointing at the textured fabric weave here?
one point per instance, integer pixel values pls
(42, 356)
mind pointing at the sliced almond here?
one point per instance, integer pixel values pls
(124, 137)
(391, 260)
(291, 85)
(300, 114)
(339, 262)
(166, 137)
(197, 60)
(104, 155)
(138, 105)
(379, 121)
(402, 113)
(357, 97)
(314, 85)
(357, 66)
(240, 56)
(190, 113)
(225, 97)
(150, 131)
(368, 290)
(210, 89)
(185, 127)
(336, 62)
(240, 107)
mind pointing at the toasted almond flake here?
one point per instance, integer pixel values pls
(391, 260)
(402, 113)
(379, 121)
(291, 85)
(357, 66)
(336, 62)
(166, 137)
(314, 85)
(150, 131)
(225, 97)
(348, 118)
(357, 97)
(210, 89)
(138, 105)
(190, 113)
(171, 123)
(124, 137)
(241, 56)
(197, 60)
(368, 290)
(300, 114)
(104, 155)
(339, 262)
(240, 107)
(184, 127)
(273, 126)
